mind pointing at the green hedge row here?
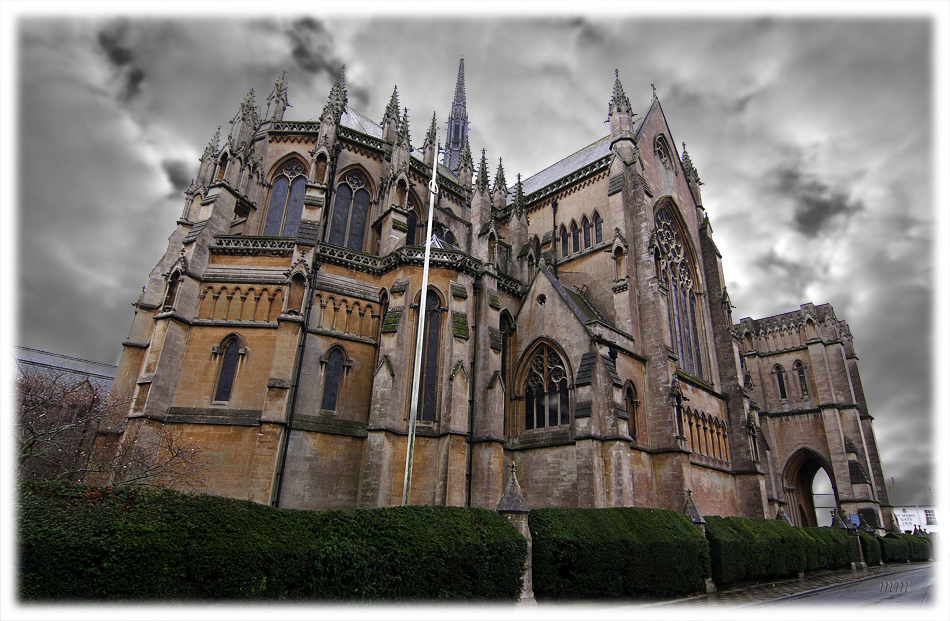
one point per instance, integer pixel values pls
(870, 548)
(616, 553)
(894, 548)
(135, 544)
(833, 549)
(753, 549)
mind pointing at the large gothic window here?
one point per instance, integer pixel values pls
(350, 211)
(546, 399)
(286, 201)
(676, 272)
(430, 361)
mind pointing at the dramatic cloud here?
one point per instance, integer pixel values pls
(816, 204)
(179, 174)
(112, 40)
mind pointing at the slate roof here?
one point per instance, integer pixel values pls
(585, 370)
(33, 360)
(565, 167)
(583, 307)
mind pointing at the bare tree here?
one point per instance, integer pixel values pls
(60, 415)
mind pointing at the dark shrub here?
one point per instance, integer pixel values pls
(97, 544)
(616, 553)
(870, 548)
(894, 549)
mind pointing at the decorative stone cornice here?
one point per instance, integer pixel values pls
(253, 245)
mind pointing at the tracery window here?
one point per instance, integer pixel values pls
(800, 371)
(547, 403)
(430, 361)
(350, 210)
(675, 271)
(228, 370)
(663, 152)
(286, 201)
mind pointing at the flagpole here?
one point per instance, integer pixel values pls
(420, 333)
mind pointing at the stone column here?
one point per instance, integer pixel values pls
(512, 506)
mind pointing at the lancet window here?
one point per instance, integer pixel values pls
(286, 201)
(332, 375)
(231, 352)
(430, 360)
(800, 371)
(350, 211)
(779, 373)
(546, 399)
(675, 271)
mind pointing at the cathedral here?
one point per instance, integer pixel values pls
(575, 323)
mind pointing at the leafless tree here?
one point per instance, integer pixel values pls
(60, 415)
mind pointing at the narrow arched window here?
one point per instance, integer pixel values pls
(530, 265)
(430, 362)
(320, 172)
(286, 201)
(547, 402)
(172, 295)
(412, 225)
(631, 403)
(228, 371)
(222, 167)
(619, 266)
(491, 248)
(350, 210)
(565, 242)
(332, 374)
(576, 237)
(780, 378)
(800, 371)
(298, 285)
(504, 326)
(537, 247)
(598, 229)
(586, 225)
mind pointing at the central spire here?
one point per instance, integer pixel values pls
(458, 124)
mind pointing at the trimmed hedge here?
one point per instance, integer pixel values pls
(894, 548)
(832, 550)
(870, 548)
(918, 547)
(136, 544)
(754, 549)
(616, 553)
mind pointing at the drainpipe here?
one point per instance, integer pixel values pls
(477, 288)
(298, 362)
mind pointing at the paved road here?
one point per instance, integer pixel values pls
(913, 586)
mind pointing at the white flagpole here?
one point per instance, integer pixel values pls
(420, 333)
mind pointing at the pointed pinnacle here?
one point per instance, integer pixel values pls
(482, 183)
(403, 134)
(500, 177)
(519, 196)
(212, 147)
(466, 155)
(619, 101)
(430, 135)
(392, 108)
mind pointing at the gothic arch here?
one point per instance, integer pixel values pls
(348, 218)
(430, 386)
(288, 181)
(541, 388)
(228, 353)
(335, 364)
(797, 478)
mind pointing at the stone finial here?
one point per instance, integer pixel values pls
(500, 183)
(691, 511)
(618, 102)
(519, 196)
(392, 108)
(278, 98)
(430, 135)
(512, 501)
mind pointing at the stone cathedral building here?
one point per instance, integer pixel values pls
(577, 323)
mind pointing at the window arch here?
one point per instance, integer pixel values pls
(598, 228)
(286, 200)
(779, 373)
(631, 402)
(430, 361)
(676, 271)
(576, 237)
(536, 244)
(172, 295)
(230, 351)
(412, 226)
(585, 223)
(350, 211)
(565, 242)
(663, 152)
(545, 389)
(334, 362)
(298, 286)
(802, 384)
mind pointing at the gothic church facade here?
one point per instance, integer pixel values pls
(576, 323)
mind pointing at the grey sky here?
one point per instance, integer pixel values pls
(813, 137)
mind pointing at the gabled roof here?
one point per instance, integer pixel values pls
(583, 307)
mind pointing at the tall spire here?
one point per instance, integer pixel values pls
(457, 124)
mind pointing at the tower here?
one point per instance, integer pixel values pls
(457, 124)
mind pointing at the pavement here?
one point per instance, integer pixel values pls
(751, 593)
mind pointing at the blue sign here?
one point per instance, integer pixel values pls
(855, 519)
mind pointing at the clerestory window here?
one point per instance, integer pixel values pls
(286, 201)
(350, 212)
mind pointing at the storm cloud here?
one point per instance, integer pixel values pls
(129, 75)
(816, 204)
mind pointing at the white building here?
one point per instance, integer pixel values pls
(923, 517)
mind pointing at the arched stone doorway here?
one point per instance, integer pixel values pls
(800, 471)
